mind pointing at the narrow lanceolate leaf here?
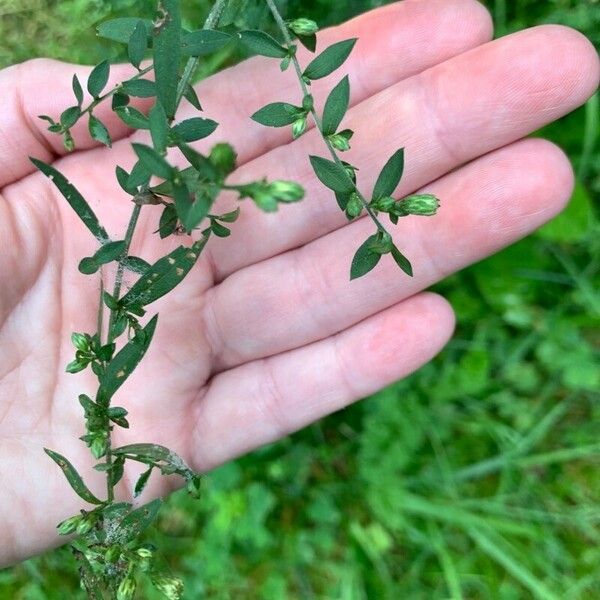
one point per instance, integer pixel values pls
(77, 90)
(125, 362)
(332, 175)
(278, 114)
(74, 198)
(365, 258)
(98, 78)
(166, 460)
(137, 45)
(329, 60)
(259, 42)
(140, 88)
(141, 482)
(159, 127)
(121, 30)
(167, 53)
(390, 176)
(194, 129)
(168, 222)
(190, 95)
(164, 275)
(153, 161)
(73, 477)
(402, 261)
(99, 132)
(203, 42)
(336, 106)
(137, 521)
(132, 117)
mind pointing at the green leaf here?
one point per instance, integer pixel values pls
(329, 60)
(194, 129)
(139, 176)
(230, 217)
(168, 222)
(171, 462)
(109, 252)
(153, 161)
(167, 54)
(141, 482)
(309, 41)
(77, 90)
(137, 521)
(402, 261)
(390, 176)
(203, 42)
(365, 259)
(98, 78)
(191, 96)
(332, 175)
(119, 100)
(336, 106)
(278, 114)
(74, 198)
(88, 266)
(199, 162)
(137, 45)
(70, 116)
(159, 127)
(125, 362)
(259, 42)
(123, 180)
(139, 88)
(73, 477)
(99, 132)
(121, 30)
(219, 230)
(132, 117)
(164, 275)
(136, 264)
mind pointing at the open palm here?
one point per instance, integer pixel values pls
(267, 334)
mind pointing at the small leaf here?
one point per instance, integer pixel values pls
(153, 161)
(77, 90)
(194, 129)
(132, 117)
(119, 100)
(219, 230)
(73, 477)
(88, 266)
(116, 473)
(329, 60)
(140, 175)
(365, 259)
(121, 29)
(98, 79)
(74, 198)
(199, 162)
(123, 180)
(278, 114)
(336, 106)
(230, 217)
(159, 127)
(139, 88)
(168, 222)
(390, 176)
(137, 521)
(109, 252)
(259, 42)
(141, 482)
(138, 43)
(203, 42)
(167, 53)
(164, 275)
(99, 132)
(402, 261)
(191, 96)
(70, 116)
(309, 41)
(125, 362)
(332, 175)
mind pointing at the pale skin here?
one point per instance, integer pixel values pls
(268, 334)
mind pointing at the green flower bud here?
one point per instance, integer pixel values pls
(354, 206)
(98, 445)
(351, 170)
(223, 156)
(299, 127)
(286, 191)
(420, 204)
(68, 141)
(265, 201)
(144, 552)
(171, 587)
(339, 142)
(385, 204)
(126, 588)
(303, 26)
(383, 244)
(113, 554)
(69, 525)
(76, 366)
(86, 524)
(308, 102)
(81, 341)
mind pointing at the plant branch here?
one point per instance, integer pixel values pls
(306, 92)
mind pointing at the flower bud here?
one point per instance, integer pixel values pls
(339, 142)
(265, 201)
(354, 206)
(383, 244)
(308, 102)
(144, 552)
(80, 341)
(171, 587)
(385, 204)
(126, 588)
(223, 157)
(303, 26)
(286, 191)
(98, 445)
(86, 524)
(69, 525)
(350, 170)
(299, 127)
(113, 554)
(420, 204)
(68, 141)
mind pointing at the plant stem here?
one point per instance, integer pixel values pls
(289, 42)
(211, 22)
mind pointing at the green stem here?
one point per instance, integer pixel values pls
(305, 91)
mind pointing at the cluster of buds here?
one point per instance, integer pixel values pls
(171, 587)
(418, 204)
(88, 351)
(97, 419)
(268, 195)
(79, 524)
(303, 26)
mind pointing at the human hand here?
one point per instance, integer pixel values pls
(267, 334)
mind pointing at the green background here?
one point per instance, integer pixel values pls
(475, 478)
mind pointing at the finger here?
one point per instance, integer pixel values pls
(43, 87)
(286, 392)
(486, 205)
(450, 114)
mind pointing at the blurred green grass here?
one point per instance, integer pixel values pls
(476, 478)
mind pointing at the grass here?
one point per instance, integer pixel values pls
(476, 478)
